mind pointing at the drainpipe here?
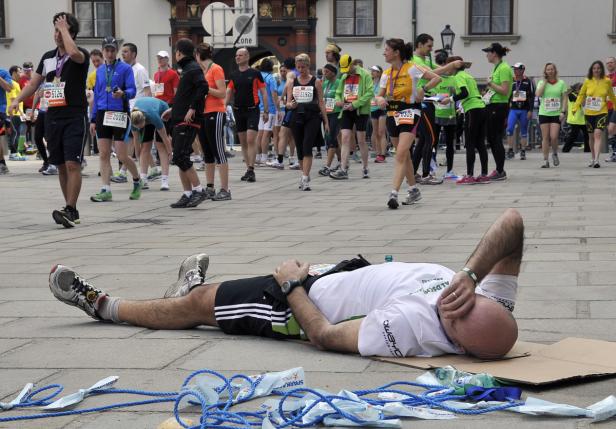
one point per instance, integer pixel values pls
(414, 20)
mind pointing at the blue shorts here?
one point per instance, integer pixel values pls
(516, 116)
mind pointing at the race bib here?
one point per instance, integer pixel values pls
(405, 117)
(593, 104)
(487, 97)
(551, 104)
(519, 96)
(159, 89)
(330, 105)
(303, 94)
(115, 119)
(54, 94)
(351, 92)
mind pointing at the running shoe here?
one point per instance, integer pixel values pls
(210, 193)
(592, 163)
(318, 155)
(392, 201)
(43, 168)
(380, 159)
(522, 155)
(555, 160)
(467, 180)
(482, 179)
(245, 176)
(611, 158)
(3, 169)
(196, 198)
(597, 165)
(145, 184)
(154, 173)
(181, 203)
(67, 286)
(51, 170)
(191, 274)
(196, 158)
(67, 217)
(136, 192)
(431, 180)
(200, 166)
(17, 157)
(324, 171)
(339, 174)
(450, 175)
(101, 197)
(365, 174)
(251, 176)
(119, 177)
(510, 154)
(293, 166)
(305, 185)
(222, 195)
(546, 164)
(495, 176)
(164, 185)
(412, 196)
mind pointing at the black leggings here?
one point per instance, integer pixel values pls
(212, 139)
(474, 136)
(306, 128)
(39, 133)
(572, 135)
(426, 138)
(450, 135)
(495, 130)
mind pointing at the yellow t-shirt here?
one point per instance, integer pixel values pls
(594, 95)
(10, 96)
(91, 80)
(401, 85)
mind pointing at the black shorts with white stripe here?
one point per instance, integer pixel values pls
(248, 307)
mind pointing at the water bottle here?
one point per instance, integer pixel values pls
(389, 258)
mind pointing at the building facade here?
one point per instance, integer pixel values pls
(569, 33)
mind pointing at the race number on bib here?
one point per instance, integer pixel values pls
(159, 89)
(351, 92)
(115, 119)
(330, 105)
(487, 97)
(519, 96)
(405, 117)
(551, 104)
(593, 104)
(303, 94)
(54, 94)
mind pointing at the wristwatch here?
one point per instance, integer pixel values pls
(288, 286)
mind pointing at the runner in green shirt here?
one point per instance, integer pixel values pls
(445, 121)
(552, 95)
(499, 91)
(331, 81)
(377, 117)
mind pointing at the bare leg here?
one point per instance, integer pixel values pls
(194, 309)
(545, 140)
(73, 183)
(164, 157)
(363, 147)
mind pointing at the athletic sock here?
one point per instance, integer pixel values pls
(188, 193)
(143, 177)
(197, 188)
(107, 308)
(163, 177)
(106, 188)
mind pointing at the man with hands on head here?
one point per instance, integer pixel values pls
(391, 309)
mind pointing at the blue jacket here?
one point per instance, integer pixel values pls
(120, 75)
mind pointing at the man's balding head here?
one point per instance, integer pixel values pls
(488, 331)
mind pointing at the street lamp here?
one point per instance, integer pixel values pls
(447, 38)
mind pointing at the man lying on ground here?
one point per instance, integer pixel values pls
(390, 309)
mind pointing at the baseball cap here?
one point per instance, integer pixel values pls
(110, 42)
(376, 68)
(163, 54)
(28, 65)
(345, 63)
(519, 66)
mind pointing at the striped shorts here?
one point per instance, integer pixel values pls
(250, 307)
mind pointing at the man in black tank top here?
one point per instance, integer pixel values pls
(244, 87)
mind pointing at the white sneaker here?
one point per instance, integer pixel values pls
(164, 185)
(51, 170)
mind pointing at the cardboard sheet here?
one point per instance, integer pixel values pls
(531, 363)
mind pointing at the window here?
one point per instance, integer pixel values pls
(491, 17)
(2, 27)
(355, 17)
(95, 17)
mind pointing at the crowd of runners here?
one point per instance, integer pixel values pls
(284, 113)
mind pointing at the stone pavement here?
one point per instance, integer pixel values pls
(133, 249)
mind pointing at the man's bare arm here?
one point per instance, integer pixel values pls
(342, 337)
(504, 239)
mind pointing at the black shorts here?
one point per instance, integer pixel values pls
(250, 307)
(105, 132)
(182, 140)
(66, 138)
(544, 119)
(351, 118)
(149, 134)
(377, 114)
(595, 122)
(612, 116)
(394, 130)
(331, 140)
(246, 119)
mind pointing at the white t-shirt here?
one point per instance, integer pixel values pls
(142, 81)
(398, 304)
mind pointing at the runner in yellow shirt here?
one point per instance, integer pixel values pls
(595, 92)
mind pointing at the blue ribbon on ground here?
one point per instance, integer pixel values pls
(500, 394)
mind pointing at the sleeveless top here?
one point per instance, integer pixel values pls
(306, 96)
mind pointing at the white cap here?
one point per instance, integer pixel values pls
(163, 54)
(519, 66)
